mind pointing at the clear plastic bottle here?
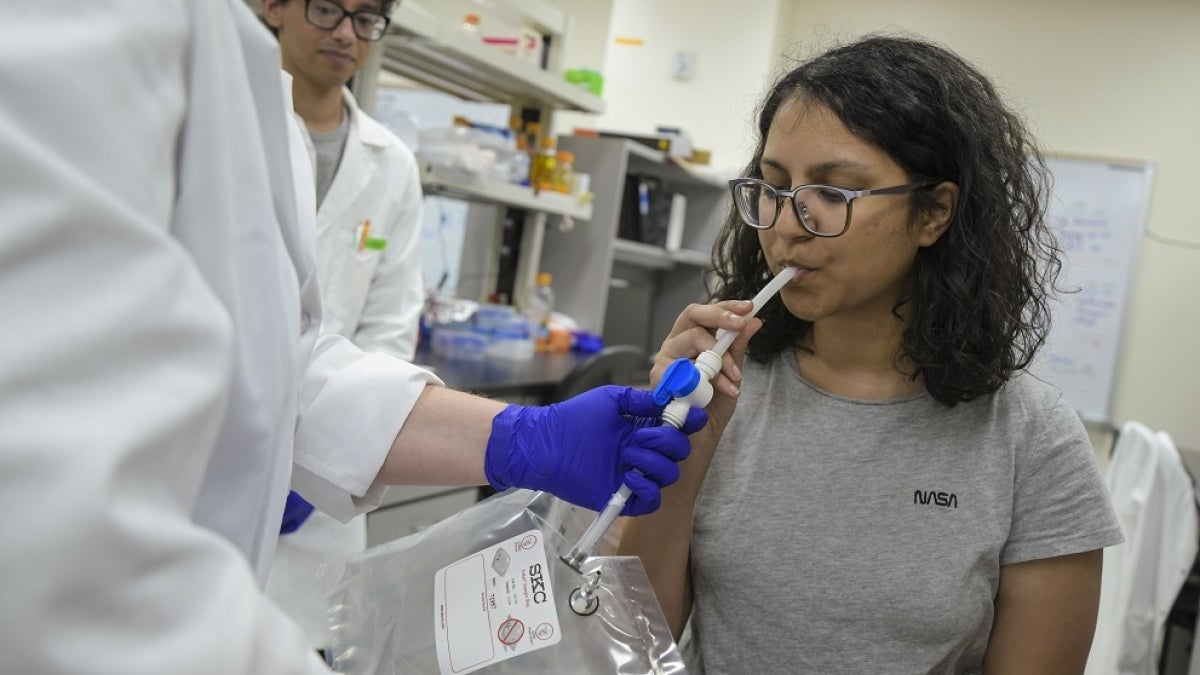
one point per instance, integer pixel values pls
(541, 303)
(520, 162)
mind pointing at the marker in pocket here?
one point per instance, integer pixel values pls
(363, 241)
(361, 234)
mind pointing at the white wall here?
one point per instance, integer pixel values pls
(1105, 77)
(586, 45)
(734, 56)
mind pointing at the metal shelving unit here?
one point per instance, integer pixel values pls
(642, 255)
(446, 59)
(430, 51)
(631, 291)
(436, 181)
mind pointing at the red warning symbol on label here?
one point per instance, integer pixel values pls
(510, 632)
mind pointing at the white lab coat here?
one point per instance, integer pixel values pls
(158, 358)
(1155, 504)
(372, 297)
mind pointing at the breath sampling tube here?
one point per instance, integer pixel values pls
(683, 385)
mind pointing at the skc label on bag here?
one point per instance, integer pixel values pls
(494, 605)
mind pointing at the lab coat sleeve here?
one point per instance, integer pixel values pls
(391, 313)
(352, 405)
(116, 362)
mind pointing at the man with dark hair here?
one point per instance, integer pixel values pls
(368, 232)
(368, 187)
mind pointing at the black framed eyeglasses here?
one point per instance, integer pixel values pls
(823, 210)
(369, 25)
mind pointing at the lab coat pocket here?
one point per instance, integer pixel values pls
(352, 269)
(360, 271)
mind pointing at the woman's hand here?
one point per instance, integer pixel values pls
(693, 333)
(663, 539)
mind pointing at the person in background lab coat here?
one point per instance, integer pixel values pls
(161, 374)
(368, 185)
(368, 249)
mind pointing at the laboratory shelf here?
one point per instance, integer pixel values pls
(689, 257)
(419, 48)
(655, 257)
(642, 255)
(628, 291)
(638, 150)
(657, 162)
(440, 182)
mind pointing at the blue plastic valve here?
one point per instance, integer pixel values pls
(680, 379)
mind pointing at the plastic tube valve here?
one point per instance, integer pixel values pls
(683, 385)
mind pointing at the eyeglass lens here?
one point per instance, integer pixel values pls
(822, 211)
(327, 15)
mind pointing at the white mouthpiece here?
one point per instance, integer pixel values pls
(726, 338)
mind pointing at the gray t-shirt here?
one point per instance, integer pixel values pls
(842, 536)
(329, 147)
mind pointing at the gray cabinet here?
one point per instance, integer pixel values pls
(628, 291)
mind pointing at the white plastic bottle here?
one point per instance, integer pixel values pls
(470, 24)
(541, 303)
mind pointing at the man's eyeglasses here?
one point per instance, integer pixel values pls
(369, 25)
(823, 210)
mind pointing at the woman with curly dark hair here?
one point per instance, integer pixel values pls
(884, 489)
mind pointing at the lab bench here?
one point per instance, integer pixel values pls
(533, 381)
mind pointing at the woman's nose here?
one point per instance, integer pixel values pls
(788, 223)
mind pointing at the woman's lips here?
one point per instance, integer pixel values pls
(801, 272)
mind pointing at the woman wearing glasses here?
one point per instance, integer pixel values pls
(881, 487)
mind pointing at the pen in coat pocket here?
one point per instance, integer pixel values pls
(362, 234)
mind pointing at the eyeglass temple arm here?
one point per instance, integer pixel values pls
(898, 189)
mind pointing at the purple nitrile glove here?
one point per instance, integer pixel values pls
(295, 512)
(582, 449)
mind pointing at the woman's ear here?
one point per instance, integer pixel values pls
(937, 218)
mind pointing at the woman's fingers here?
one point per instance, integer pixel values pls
(694, 329)
(726, 314)
(730, 377)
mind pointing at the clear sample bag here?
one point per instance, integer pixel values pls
(486, 591)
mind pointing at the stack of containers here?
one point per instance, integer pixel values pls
(507, 333)
(459, 342)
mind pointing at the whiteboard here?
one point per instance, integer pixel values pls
(1098, 211)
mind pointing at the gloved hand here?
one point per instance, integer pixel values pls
(582, 449)
(295, 512)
